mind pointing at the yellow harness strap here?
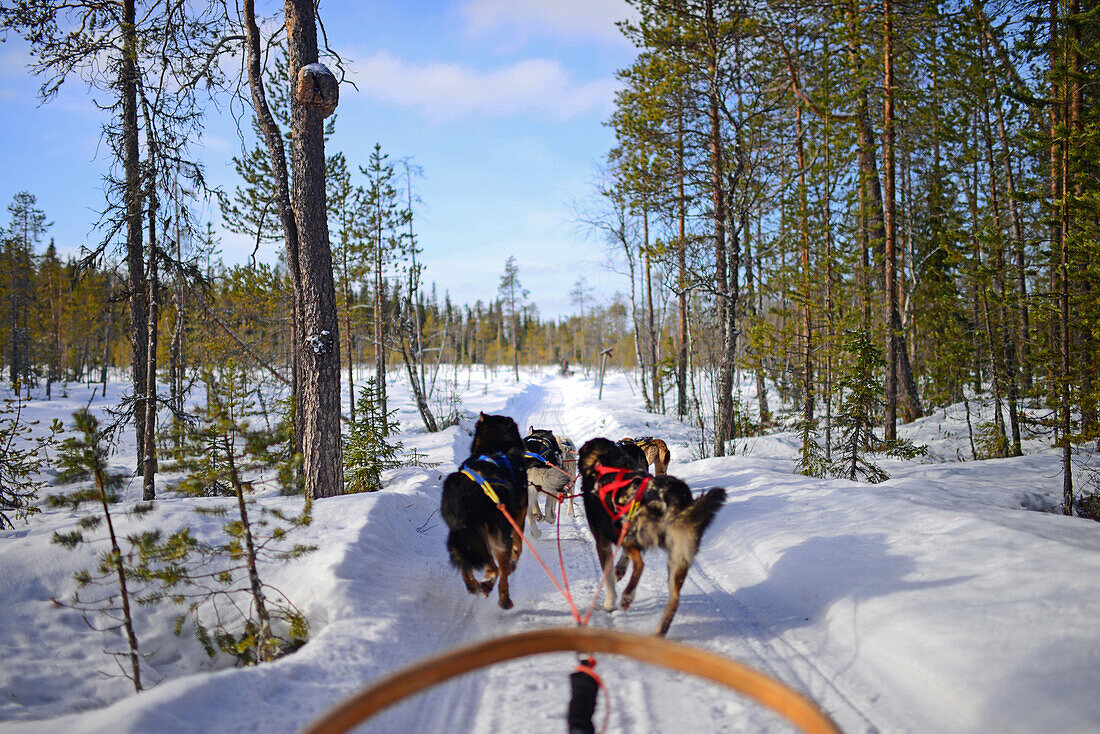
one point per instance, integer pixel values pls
(484, 484)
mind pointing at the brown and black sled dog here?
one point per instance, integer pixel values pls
(481, 537)
(665, 515)
(655, 450)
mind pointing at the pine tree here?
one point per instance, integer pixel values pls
(22, 459)
(811, 454)
(28, 225)
(226, 455)
(385, 218)
(858, 413)
(367, 453)
(513, 294)
(109, 586)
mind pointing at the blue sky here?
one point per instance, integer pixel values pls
(501, 102)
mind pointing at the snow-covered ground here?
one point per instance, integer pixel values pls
(935, 602)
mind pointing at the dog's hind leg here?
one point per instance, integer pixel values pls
(635, 555)
(620, 567)
(490, 580)
(606, 553)
(676, 575)
(532, 508)
(550, 513)
(507, 562)
(472, 584)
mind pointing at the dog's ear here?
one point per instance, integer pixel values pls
(531, 430)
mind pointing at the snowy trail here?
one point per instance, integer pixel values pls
(707, 618)
(937, 601)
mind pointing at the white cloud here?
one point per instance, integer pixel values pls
(448, 91)
(570, 18)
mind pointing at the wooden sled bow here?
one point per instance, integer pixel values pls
(649, 649)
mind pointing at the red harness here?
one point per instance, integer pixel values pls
(623, 478)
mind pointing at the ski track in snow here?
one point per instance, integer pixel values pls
(783, 660)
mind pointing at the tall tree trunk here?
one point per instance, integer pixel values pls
(982, 291)
(681, 279)
(149, 460)
(1022, 325)
(891, 317)
(135, 260)
(379, 323)
(1053, 335)
(755, 266)
(1000, 276)
(319, 344)
(654, 371)
(1070, 101)
(723, 424)
(347, 330)
(804, 262)
(315, 350)
(13, 284)
(873, 209)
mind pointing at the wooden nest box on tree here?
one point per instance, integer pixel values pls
(317, 87)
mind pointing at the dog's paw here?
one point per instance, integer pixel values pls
(620, 569)
(506, 602)
(610, 604)
(486, 586)
(626, 601)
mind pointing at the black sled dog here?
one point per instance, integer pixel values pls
(660, 510)
(481, 537)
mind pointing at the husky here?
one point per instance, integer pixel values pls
(660, 511)
(480, 536)
(655, 450)
(634, 453)
(551, 473)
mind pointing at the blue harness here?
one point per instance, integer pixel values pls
(490, 486)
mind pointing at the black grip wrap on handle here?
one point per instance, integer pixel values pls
(583, 703)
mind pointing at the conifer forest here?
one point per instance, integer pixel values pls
(896, 201)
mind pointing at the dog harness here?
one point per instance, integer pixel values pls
(539, 456)
(623, 478)
(501, 462)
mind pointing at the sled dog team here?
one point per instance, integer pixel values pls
(615, 486)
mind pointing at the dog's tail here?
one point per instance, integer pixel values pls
(701, 512)
(467, 549)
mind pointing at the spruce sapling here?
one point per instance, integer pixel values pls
(232, 608)
(22, 459)
(857, 413)
(83, 456)
(367, 453)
